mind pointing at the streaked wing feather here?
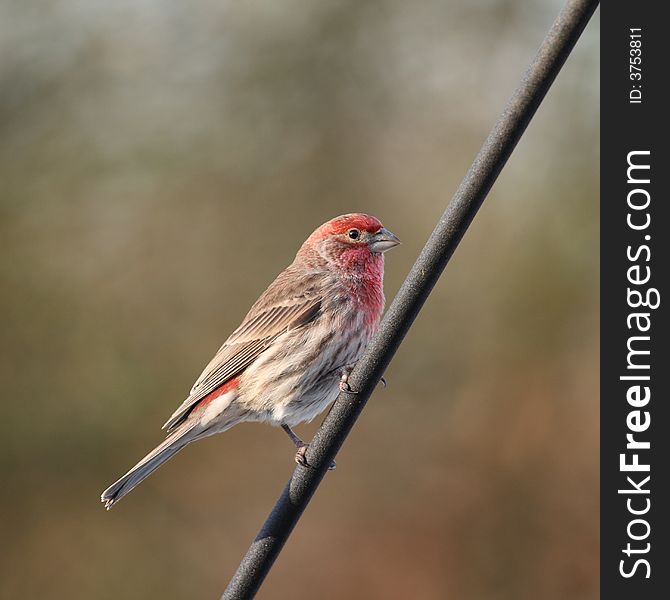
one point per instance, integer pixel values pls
(245, 344)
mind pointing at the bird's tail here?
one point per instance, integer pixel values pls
(185, 434)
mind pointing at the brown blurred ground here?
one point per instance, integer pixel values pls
(160, 162)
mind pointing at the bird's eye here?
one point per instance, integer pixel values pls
(354, 234)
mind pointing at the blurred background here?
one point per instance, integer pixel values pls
(160, 163)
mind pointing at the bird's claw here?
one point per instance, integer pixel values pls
(345, 387)
(301, 459)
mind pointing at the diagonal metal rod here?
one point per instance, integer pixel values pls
(419, 283)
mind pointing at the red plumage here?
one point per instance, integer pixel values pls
(294, 349)
(231, 384)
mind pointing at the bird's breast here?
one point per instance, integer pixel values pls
(297, 377)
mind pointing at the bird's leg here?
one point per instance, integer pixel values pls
(294, 438)
(344, 381)
(300, 457)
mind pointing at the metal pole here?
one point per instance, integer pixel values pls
(451, 227)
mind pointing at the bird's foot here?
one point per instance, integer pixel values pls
(301, 458)
(345, 387)
(344, 384)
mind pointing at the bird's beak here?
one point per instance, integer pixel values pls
(382, 241)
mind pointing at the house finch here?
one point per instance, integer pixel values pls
(295, 348)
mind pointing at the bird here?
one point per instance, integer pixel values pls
(293, 352)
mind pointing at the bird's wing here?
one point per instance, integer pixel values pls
(260, 327)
